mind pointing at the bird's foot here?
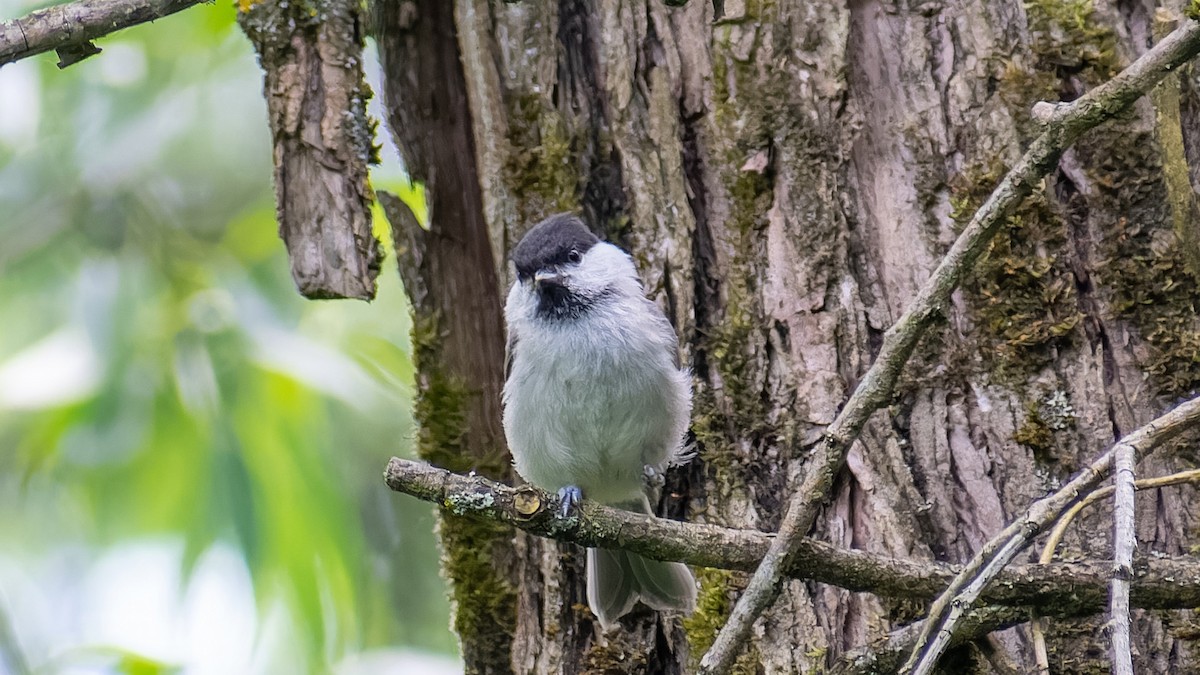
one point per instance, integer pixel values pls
(652, 477)
(568, 499)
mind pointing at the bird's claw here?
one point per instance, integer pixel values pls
(568, 499)
(652, 477)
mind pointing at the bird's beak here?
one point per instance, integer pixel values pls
(545, 278)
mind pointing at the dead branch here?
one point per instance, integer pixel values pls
(1036, 626)
(991, 559)
(1124, 540)
(1070, 588)
(886, 654)
(71, 27)
(1064, 124)
(1060, 528)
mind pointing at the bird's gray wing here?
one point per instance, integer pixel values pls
(510, 346)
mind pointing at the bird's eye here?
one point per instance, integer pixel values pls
(574, 256)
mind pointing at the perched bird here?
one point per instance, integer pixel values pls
(595, 403)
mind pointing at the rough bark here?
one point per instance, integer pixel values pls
(311, 55)
(786, 177)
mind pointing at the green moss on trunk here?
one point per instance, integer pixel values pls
(482, 599)
(1021, 291)
(1142, 268)
(543, 167)
(713, 605)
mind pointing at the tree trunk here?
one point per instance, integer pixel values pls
(786, 176)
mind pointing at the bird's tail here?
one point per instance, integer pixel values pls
(618, 579)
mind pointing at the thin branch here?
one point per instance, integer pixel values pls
(1072, 589)
(1124, 540)
(71, 27)
(1065, 123)
(1037, 628)
(1060, 528)
(886, 654)
(984, 567)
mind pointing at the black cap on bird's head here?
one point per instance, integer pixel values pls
(557, 240)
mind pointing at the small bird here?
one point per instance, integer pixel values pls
(595, 403)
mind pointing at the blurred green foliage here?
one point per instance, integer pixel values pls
(160, 376)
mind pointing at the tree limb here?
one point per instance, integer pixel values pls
(991, 559)
(70, 28)
(1064, 124)
(1069, 588)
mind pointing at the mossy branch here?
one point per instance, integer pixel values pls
(71, 27)
(1071, 589)
(1063, 124)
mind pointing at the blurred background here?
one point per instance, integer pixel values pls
(191, 454)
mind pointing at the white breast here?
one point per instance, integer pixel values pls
(592, 401)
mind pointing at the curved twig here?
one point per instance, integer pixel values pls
(1037, 629)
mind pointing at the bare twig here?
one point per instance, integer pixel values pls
(886, 654)
(1064, 124)
(1037, 629)
(1072, 589)
(1124, 539)
(1037, 626)
(957, 599)
(1060, 528)
(71, 27)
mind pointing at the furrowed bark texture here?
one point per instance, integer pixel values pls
(786, 177)
(458, 338)
(311, 55)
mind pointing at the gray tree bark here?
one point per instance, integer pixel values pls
(786, 176)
